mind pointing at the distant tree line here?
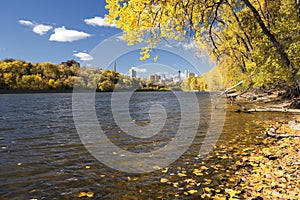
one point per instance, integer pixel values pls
(18, 74)
(22, 75)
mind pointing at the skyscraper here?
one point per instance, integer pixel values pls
(132, 73)
(186, 73)
(115, 67)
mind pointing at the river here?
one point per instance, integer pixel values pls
(42, 156)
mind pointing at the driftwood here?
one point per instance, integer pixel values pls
(232, 87)
(272, 133)
(264, 109)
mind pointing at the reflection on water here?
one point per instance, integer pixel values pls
(42, 155)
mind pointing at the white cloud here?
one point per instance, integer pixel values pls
(26, 23)
(40, 29)
(64, 35)
(83, 56)
(139, 70)
(98, 21)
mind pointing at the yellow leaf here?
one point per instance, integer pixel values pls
(164, 180)
(87, 167)
(219, 198)
(86, 194)
(232, 179)
(90, 194)
(223, 157)
(165, 170)
(82, 194)
(207, 181)
(192, 191)
(175, 184)
(205, 196)
(181, 174)
(254, 164)
(198, 173)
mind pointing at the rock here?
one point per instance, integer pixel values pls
(295, 104)
(296, 127)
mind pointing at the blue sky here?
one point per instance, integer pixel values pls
(60, 30)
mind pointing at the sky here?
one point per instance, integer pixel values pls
(60, 30)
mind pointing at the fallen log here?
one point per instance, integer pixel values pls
(232, 87)
(279, 136)
(264, 109)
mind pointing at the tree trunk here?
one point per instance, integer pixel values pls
(298, 8)
(273, 40)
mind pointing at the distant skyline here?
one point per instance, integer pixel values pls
(56, 31)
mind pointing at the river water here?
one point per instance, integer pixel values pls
(42, 156)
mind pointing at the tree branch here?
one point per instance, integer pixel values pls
(273, 40)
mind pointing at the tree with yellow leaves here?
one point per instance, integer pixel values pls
(257, 38)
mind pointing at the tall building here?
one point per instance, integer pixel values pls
(186, 73)
(132, 73)
(155, 77)
(115, 67)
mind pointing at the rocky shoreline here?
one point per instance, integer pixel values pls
(269, 98)
(271, 171)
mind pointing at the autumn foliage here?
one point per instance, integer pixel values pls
(252, 40)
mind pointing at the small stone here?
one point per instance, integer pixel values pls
(296, 127)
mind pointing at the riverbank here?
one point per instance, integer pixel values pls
(275, 172)
(260, 96)
(270, 171)
(3, 91)
(8, 91)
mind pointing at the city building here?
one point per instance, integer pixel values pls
(132, 73)
(192, 75)
(186, 73)
(155, 77)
